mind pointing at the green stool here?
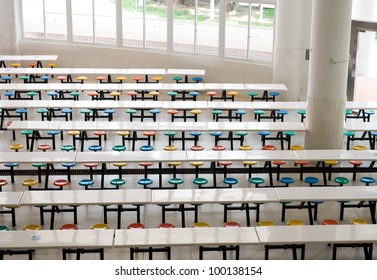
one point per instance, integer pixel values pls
(302, 114)
(216, 114)
(131, 112)
(288, 137)
(258, 114)
(350, 137)
(31, 94)
(257, 181)
(117, 182)
(252, 94)
(175, 182)
(75, 95)
(86, 113)
(119, 148)
(200, 182)
(177, 79)
(43, 112)
(170, 135)
(28, 134)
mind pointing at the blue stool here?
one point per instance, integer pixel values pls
(263, 135)
(367, 180)
(273, 95)
(95, 148)
(53, 133)
(145, 182)
(367, 114)
(45, 78)
(146, 148)
(287, 181)
(239, 114)
(110, 114)
(87, 183)
(196, 135)
(11, 166)
(193, 94)
(154, 113)
(6, 79)
(280, 114)
(67, 112)
(9, 94)
(53, 94)
(230, 181)
(217, 135)
(197, 79)
(311, 180)
(22, 112)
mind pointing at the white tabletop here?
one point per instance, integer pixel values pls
(308, 194)
(256, 126)
(64, 71)
(10, 198)
(134, 126)
(116, 104)
(257, 155)
(229, 105)
(86, 197)
(357, 125)
(277, 87)
(363, 154)
(35, 239)
(224, 86)
(197, 72)
(184, 86)
(277, 105)
(28, 57)
(182, 126)
(185, 104)
(361, 105)
(358, 192)
(185, 236)
(37, 157)
(34, 125)
(128, 156)
(40, 87)
(215, 196)
(317, 234)
(321, 155)
(122, 86)
(36, 103)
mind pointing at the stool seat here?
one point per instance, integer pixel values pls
(100, 227)
(166, 225)
(200, 181)
(3, 182)
(86, 182)
(60, 183)
(95, 148)
(311, 180)
(367, 180)
(329, 222)
(32, 227)
(269, 148)
(230, 181)
(232, 224)
(117, 182)
(359, 222)
(146, 148)
(29, 182)
(287, 180)
(135, 226)
(200, 224)
(176, 181)
(145, 181)
(266, 223)
(218, 148)
(256, 180)
(295, 223)
(341, 180)
(245, 148)
(69, 227)
(170, 148)
(197, 148)
(119, 148)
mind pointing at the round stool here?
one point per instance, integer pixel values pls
(232, 224)
(257, 181)
(29, 183)
(100, 226)
(287, 181)
(117, 183)
(295, 223)
(266, 223)
(311, 180)
(341, 180)
(327, 222)
(16, 147)
(32, 227)
(145, 182)
(60, 183)
(69, 227)
(86, 183)
(359, 222)
(200, 224)
(135, 226)
(200, 182)
(166, 225)
(367, 180)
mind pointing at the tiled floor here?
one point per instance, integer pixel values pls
(151, 214)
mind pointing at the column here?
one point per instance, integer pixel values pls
(328, 66)
(292, 39)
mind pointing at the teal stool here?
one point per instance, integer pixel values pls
(86, 113)
(117, 183)
(302, 114)
(216, 114)
(253, 95)
(200, 182)
(257, 181)
(175, 182)
(258, 114)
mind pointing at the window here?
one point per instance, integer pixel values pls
(236, 30)
(249, 31)
(44, 19)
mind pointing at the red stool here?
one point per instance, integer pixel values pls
(225, 165)
(136, 226)
(44, 147)
(69, 227)
(3, 183)
(91, 167)
(278, 164)
(60, 183)
(197, 148)
(100, 134)
(356, 164)
(329, 222)
(166, 225)
(301, 163)
(150, 134)
(269, 148)
(172, 112)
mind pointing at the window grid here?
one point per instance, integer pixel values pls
(241, 30)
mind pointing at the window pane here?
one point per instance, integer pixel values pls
(262, 33)
(236, 29)
(132, 20)
(32, 13)
(105, 22)
(184, 26)
(156, 25)
(82, 21)
(56, 19)
(207, 41)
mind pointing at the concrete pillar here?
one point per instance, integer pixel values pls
(292, 39)
(330, 36)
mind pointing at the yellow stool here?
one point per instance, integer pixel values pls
(266, 223)
(359, 147)
(100, 226)
(115, 94)
(295, 223)
(232, 94)
(16, 147)
(359, 222)
(330, 163)
(82, 78)
(297, 147)
(200, 224)
(196, 112)
(246, 148)
(120, 165)
(15, 65)
(170, 148)
(32, 227)
(157, 79)
(121, 79)
(154, 94)
(249, 164)
(29, 183)
(197, 164)
(51, 65)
